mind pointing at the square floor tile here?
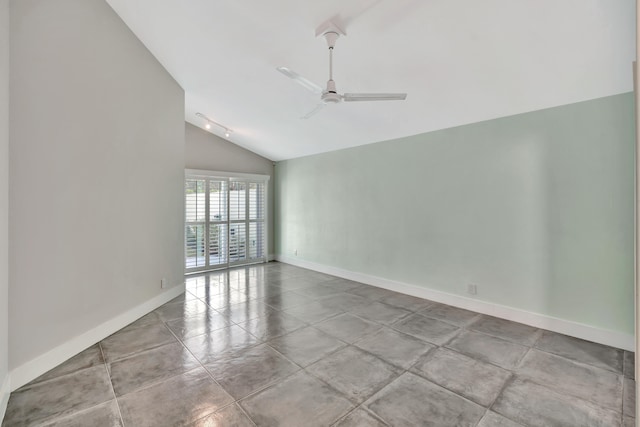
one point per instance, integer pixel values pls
(478, 381)
(230, 416)
(272, 325)
(345, 301)
(85, 359)
(294, 282)
(629, 398)
(128, 342)
(317, 291)
(407, 302)
(354, 373)
(427, 329)
(149, 367)
(506, 329)
(491, 419)
(582, 351)
(533, 405)
(455, 316)
(628, 422)
(347, 327)
(148, 319)
(261, 290)
(226, 340)
(318, 277)
(306, 345)
(224, 300)
(249, 284)
(197, 325)
(341, 285)
(379, 312)
(177, 401)
(587, 382)
(181, 310)
(287, 300)
(371, 292)
(360, 418)
(394, 347)
(489, 349)
(630, 364)
(301, 400)
(248, 310)
(59, 397)
(104, 415)
(208, 291)
(185, 296)
(250, 370)
(412, 401)
(314, 312)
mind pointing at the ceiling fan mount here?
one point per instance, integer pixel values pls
(331, 32)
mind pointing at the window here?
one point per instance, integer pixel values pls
(224, 220)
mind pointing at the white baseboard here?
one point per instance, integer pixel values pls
(567, 327)
(34, 368)
(5, 390)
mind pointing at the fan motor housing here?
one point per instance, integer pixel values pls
(331, 98)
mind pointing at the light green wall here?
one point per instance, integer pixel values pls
(535, 209)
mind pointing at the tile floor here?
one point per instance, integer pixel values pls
(276, 345)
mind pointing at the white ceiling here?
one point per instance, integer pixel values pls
(460, 61)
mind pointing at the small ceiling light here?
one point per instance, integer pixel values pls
(209, 122)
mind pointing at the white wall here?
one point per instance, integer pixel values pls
(4, 204)
(536, 209)
(97, 164)
(204, 150)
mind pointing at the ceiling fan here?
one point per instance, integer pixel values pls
(331, 32)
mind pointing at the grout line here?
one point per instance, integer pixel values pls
(577, 362)
(35, 383)
(269, 385)
(510, 379)
(199, 363)
(239, 406)
(518, 364)
(482, 417)
(234, 401)
(401, 371)
(366, 410)
(106, 367)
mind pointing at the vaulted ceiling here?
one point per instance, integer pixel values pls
(460, 61)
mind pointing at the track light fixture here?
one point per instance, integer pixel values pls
(209, 122)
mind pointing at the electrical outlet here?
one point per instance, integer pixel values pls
(163, 283)
(472, 289)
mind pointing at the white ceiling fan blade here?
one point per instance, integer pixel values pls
(307, 84)
(350, 97)
(314, 111)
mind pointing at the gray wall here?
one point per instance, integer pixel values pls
(97, 159)
(204, 150)
(535, 209)
(4, 199)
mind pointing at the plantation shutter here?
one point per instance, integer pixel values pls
(225, 220)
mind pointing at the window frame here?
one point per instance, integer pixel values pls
(229, 177)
